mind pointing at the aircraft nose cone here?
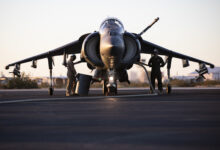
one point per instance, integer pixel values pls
(113, 47)
(112, 50)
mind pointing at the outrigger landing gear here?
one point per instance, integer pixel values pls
(51, 91)
(168, 87)
(50, 63)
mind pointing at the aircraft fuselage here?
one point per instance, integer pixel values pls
(112, 46)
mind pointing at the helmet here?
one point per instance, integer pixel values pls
(155, 51)
(73, 56)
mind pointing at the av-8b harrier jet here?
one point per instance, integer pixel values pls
(111, 52)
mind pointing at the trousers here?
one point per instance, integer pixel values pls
(71, 85)
(157, 76)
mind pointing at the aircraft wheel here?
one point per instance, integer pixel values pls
(51, 91)
(104, 88)
(116, 90)
(111, 91)
(168, 89)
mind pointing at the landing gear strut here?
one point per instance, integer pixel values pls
(104, 88)
(50, 63)
(168, 87)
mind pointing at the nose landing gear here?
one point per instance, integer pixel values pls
(108, 89)
(110, 85)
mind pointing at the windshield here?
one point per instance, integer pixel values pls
(112, 24)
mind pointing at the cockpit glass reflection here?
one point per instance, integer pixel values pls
(112, 24)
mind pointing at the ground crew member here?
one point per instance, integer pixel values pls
(71, 75)
(156, 62)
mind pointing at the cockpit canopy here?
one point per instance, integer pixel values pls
(112, 25)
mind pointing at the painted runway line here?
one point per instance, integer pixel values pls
(74, 98)
(120, 89)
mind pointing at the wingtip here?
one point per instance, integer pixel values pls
(7, 67)
(212, 66)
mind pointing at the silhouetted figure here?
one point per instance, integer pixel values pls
(71, 74)
(156, 62)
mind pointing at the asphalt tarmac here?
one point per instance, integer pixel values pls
(186, 119)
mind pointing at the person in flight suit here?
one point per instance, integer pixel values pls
(156, 62)
(71, 74)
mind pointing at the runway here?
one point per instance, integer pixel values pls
(189, 118)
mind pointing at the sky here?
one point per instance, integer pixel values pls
(31, 27)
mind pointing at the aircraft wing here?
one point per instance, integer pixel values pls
(70, 48)
(148, 47)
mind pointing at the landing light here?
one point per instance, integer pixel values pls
(111, 79)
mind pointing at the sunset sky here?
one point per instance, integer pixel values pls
(31, 27)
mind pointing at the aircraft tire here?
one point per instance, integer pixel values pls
(111, 91)
(104, 88)
(168, 89)
(51, 91)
